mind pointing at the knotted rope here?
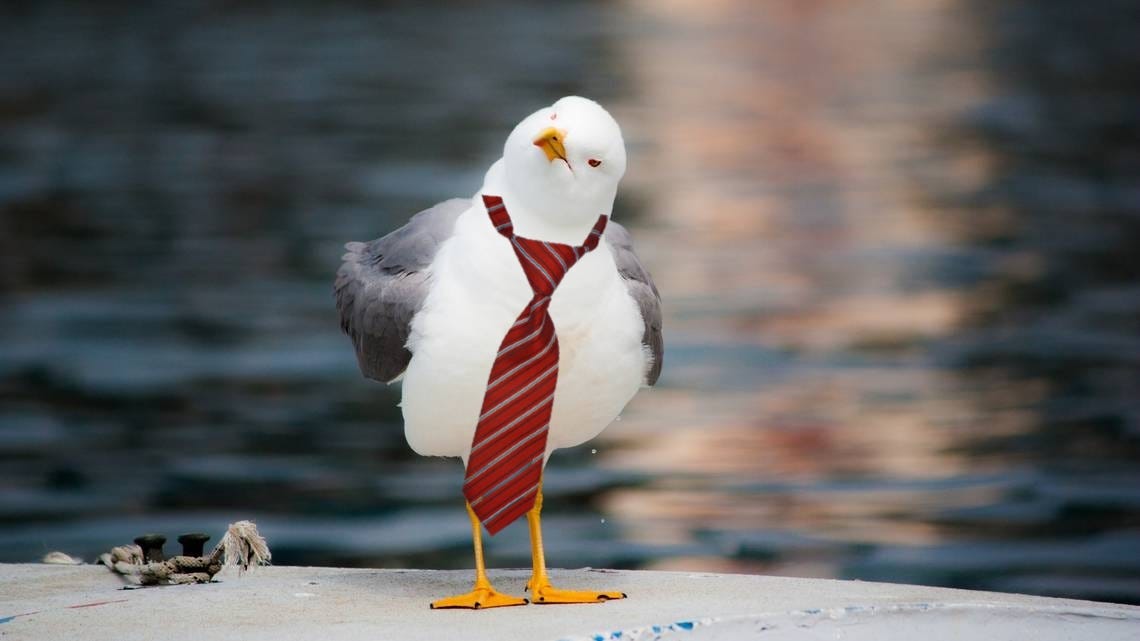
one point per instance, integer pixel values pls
(241, 547)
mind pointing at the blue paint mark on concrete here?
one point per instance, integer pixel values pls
(639, 633)
(7, 619)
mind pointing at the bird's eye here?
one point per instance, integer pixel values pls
(594, 162)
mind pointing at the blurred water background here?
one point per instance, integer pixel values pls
(897, 242)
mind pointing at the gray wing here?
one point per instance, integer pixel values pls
(383, 283)
(641, 287)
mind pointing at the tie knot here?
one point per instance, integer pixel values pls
(544, 263)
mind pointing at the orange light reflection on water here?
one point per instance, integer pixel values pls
(770, 142)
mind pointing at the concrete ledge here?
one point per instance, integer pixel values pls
(281, 603)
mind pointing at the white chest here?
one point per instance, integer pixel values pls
(477, 291)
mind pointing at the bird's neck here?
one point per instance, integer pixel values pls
(538, 225)
(530, 225)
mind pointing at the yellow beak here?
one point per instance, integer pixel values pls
(552, 141)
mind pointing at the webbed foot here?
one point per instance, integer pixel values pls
(479, 598)
(547, 594)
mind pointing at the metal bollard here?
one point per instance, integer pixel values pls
(193, 543)
(151, 545)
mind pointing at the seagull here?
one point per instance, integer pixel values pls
(439, 303)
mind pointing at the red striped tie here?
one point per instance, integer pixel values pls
(505, 465)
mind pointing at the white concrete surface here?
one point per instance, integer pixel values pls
(51, 603)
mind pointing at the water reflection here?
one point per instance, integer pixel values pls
(852, 379)
(896, 246)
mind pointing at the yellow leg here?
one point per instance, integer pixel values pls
(539, 585)
(482, 595)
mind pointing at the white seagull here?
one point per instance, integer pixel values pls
(431, 301)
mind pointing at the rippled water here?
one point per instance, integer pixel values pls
(897, 243)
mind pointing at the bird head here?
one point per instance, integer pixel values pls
(564, 162)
